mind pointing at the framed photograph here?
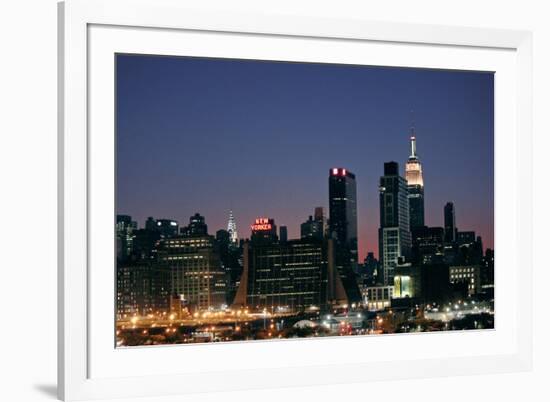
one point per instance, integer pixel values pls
(255, 201)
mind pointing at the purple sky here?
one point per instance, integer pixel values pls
(210, 135)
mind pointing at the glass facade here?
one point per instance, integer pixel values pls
(394, 234)
(197, 274)
(291, 276)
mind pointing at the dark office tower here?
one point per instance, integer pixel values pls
(415, 184)
(488, 271)
(167, 227)
(394, 236)
(371, 268)
(343, 227)
(197, 226)
(151, 224)
(427, 244)
(319, 216)
(223, 237)
(125, 228)
(450, 223)
(465, 238)
(229, 257)
(283, 234)
(311, 229)
(294, 276)
(145, 243)
(222, 246)
(343, 210)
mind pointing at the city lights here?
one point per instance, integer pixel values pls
(180, 284)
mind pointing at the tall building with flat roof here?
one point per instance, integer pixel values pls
(197, 273)
(394, 236)
(343, 227)
(450, 223)
(283, 233)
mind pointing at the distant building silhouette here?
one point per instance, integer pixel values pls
(450, 223)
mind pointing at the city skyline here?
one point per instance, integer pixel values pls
(199, 143)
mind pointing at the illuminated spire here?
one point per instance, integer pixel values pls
(232, 229)
(413, 145)
(413, 138)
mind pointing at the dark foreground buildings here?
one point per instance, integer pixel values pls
(143, 288)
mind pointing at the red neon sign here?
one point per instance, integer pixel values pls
(261, 224)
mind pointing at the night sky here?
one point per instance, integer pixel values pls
(210, 135)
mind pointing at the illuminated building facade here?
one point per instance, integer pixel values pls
(343, 227)
(289, 276)
(394, 236)
(468, 275)
(378, 297)
(415, 184)
(142, 288)
(197, 275)
(232, 229)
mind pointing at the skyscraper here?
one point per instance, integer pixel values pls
(415, 184)
(343, 210)
(125, 227)
(232, 229)
(394, 236)
(197, 226)
(167, 227)
(319, 216)
(283, 233)
(450, 223)
(312, 228)
(343, 227)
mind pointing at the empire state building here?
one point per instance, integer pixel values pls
(415, 184)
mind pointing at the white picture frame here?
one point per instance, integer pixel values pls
(90, 31)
